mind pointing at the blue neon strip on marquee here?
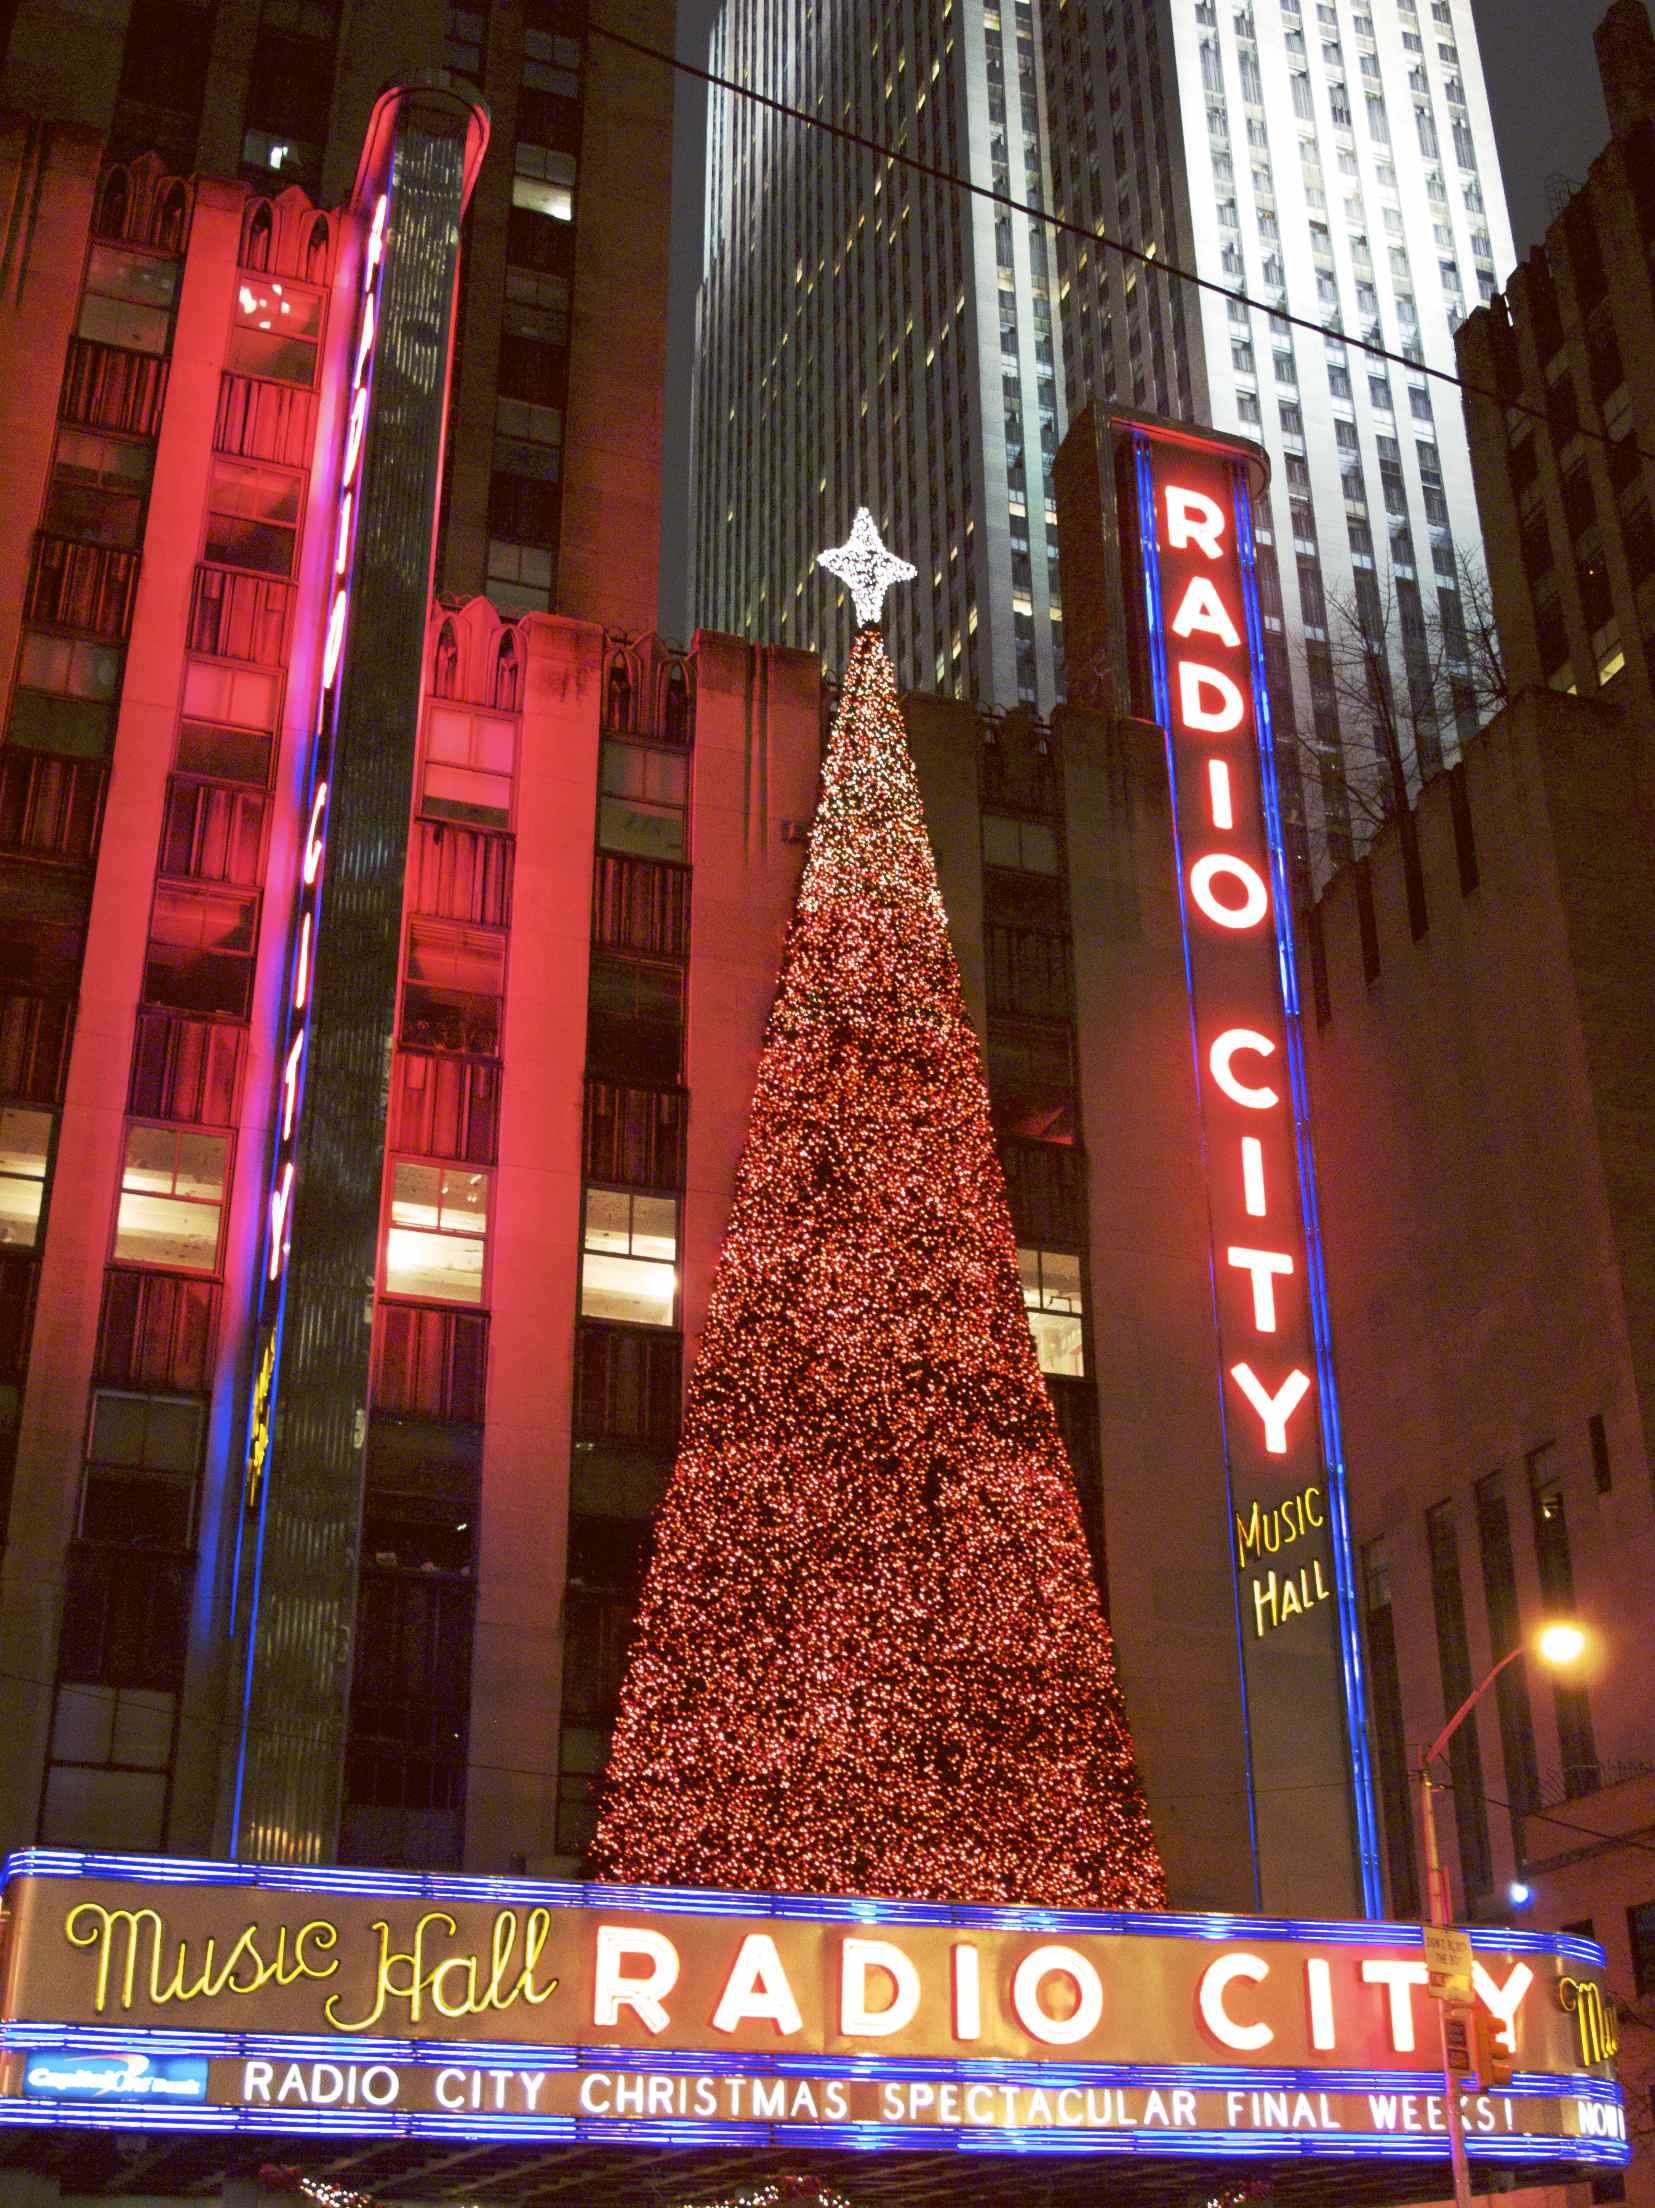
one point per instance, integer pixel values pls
(906, 2138)
(67, 1863)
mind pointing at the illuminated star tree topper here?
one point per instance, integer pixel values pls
(863, 564)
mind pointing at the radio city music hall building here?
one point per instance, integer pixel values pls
(333, 1458)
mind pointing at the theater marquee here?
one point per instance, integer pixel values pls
(143, 1993)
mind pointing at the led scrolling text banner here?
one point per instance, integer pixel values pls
(297, 1012)
(1288, 1531)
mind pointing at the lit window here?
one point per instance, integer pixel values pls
(275, 330)
(628, 1263)
(1052, 1297)
(172, 1198)
(24, 1138)
(439, 1224)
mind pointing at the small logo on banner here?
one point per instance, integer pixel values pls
(60, 2074)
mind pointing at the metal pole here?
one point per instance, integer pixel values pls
(1436, 1913)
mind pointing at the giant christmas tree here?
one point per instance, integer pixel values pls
(870, 1655)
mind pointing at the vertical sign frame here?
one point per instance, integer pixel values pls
(1311, 1806)
(295, 1589)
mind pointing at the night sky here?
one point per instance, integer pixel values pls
(1548, 117)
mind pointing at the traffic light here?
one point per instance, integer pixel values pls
(1494, 2060)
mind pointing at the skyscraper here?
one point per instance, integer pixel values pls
(865, 335)
(1336, 162)
(863, 328)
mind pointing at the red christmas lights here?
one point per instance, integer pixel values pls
(870, 1654)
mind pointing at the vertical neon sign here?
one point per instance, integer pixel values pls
(295, 1032)
(1314, 1822)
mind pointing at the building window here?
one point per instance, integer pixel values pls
(1505, 1631)
(200, 955)
(172, 1198)
(1053, 1299)
(1603, 1478)
(25, 1141)
(275, 331)
(1025, 844)
(1454, 1664)
(253, 518)
(1640, 1937)
(438, 1229)
(519, 576)
(544, 182)
(1390, 1739)
(629, 1255)
(643, 800)
(1575, 1745)
(139, 1484)
(468, 765)
(128, 299)
(451, 999)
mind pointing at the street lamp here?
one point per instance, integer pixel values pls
(1559, 1643)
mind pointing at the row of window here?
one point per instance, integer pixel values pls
(1578, 1770)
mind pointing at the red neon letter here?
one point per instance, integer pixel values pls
(336, 639)
(1031, 1973)
(279, 1197)
(1220, 866)
(757, 1991)
(343, 545)
(1274, 1410)
(613, 1990)
(290, 1083)
(313, 841)
(301, 977)
(1502, 2002)
(1202, 611)
(1213, 720)
(1218, 785)
(1252, 1176)
(1194, 518)
(1265, 1266)
(1399, 1979)
(1216, 1981)
(1229, 1047)
(365, 340)
(968, 1993)
(1318, 1985)
(353, 439)
(376, 236)
(856, 1958)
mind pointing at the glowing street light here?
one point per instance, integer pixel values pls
(1562, 1642)
(1559, 1643)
